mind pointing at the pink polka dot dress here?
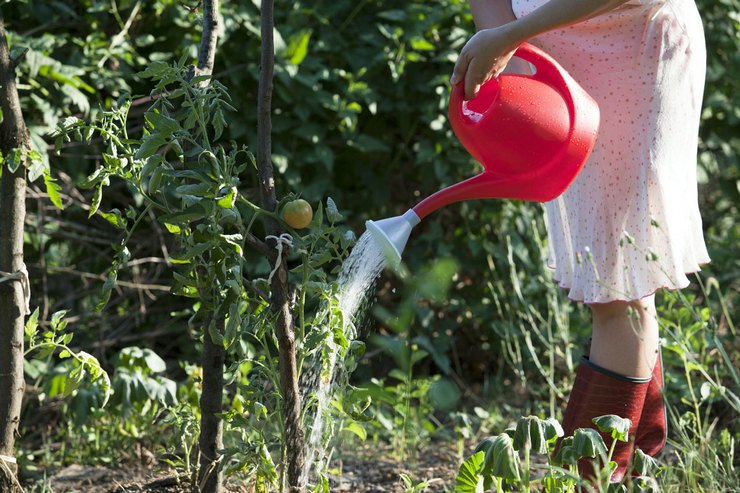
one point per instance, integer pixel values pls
(630, 224)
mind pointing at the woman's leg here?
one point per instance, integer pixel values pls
(625, 336)
(616, 376)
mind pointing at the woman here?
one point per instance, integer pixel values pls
(629, 225)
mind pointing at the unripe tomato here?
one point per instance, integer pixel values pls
(297, 213)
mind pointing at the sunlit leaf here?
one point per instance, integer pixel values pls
(618, 427)
(469, 478)
(114, 217)
(297, 48)
(357, 429)
(32, 324)
(226, 198)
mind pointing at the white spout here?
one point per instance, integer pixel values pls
(392, 234)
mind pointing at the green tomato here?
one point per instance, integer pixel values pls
(297, 213)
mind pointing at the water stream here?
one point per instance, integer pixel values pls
(356, 282)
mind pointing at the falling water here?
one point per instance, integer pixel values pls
(356, 280)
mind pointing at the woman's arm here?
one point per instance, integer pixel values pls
(485, 55)
(495, 13)
(491, 13)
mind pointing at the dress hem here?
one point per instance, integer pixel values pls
(664, 286)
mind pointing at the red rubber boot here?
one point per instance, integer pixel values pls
(596, 392)
(651, 434)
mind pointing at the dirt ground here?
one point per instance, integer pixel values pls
(367, 470)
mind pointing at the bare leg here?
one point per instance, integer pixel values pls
(625, 336)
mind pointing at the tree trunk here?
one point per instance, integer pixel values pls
(13, 135)
(210, 442)
(280, 299)
(210, 477)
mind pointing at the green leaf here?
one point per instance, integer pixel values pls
(645, 484)
(57, 320)
(199, 78)
(396, 15)
(502, 460)
(566, 452)
(172, 228)
(37, 165)
(162, 124)
(155, 70)
(611, 423)
(108, 286)
(155, 363)
(219, 123)
(97, 197)
(469, 479)
(553, 430)
(14, 159)
(216, 336)
(114, 217)
(421, 44)
(434, 282)
(530, 435)
(32, 325)
(233, 324)
(297, 48)
(150, 145)
(196, 189)
(588, 443)
(226, 198)
(191, 252)
(444, 394)
(98, 175)
(332, 213)
(357, 429)
(184, 217)
(643, 464)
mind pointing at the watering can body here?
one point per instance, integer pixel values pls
(531, 133)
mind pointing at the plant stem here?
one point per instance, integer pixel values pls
(210, 476)
(280, 299)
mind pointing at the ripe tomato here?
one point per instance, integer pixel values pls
(297, 213)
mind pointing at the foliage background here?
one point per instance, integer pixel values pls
(359, 114)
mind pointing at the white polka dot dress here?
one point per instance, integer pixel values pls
(630, 224)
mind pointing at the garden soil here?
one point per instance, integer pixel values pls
(368, 469)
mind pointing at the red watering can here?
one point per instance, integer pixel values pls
(532, 133)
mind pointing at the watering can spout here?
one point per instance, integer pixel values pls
(391, 234)
(532, 134)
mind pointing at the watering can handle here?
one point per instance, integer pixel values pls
(549, 72)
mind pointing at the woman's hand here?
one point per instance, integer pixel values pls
(486, 54)
(483, 58)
